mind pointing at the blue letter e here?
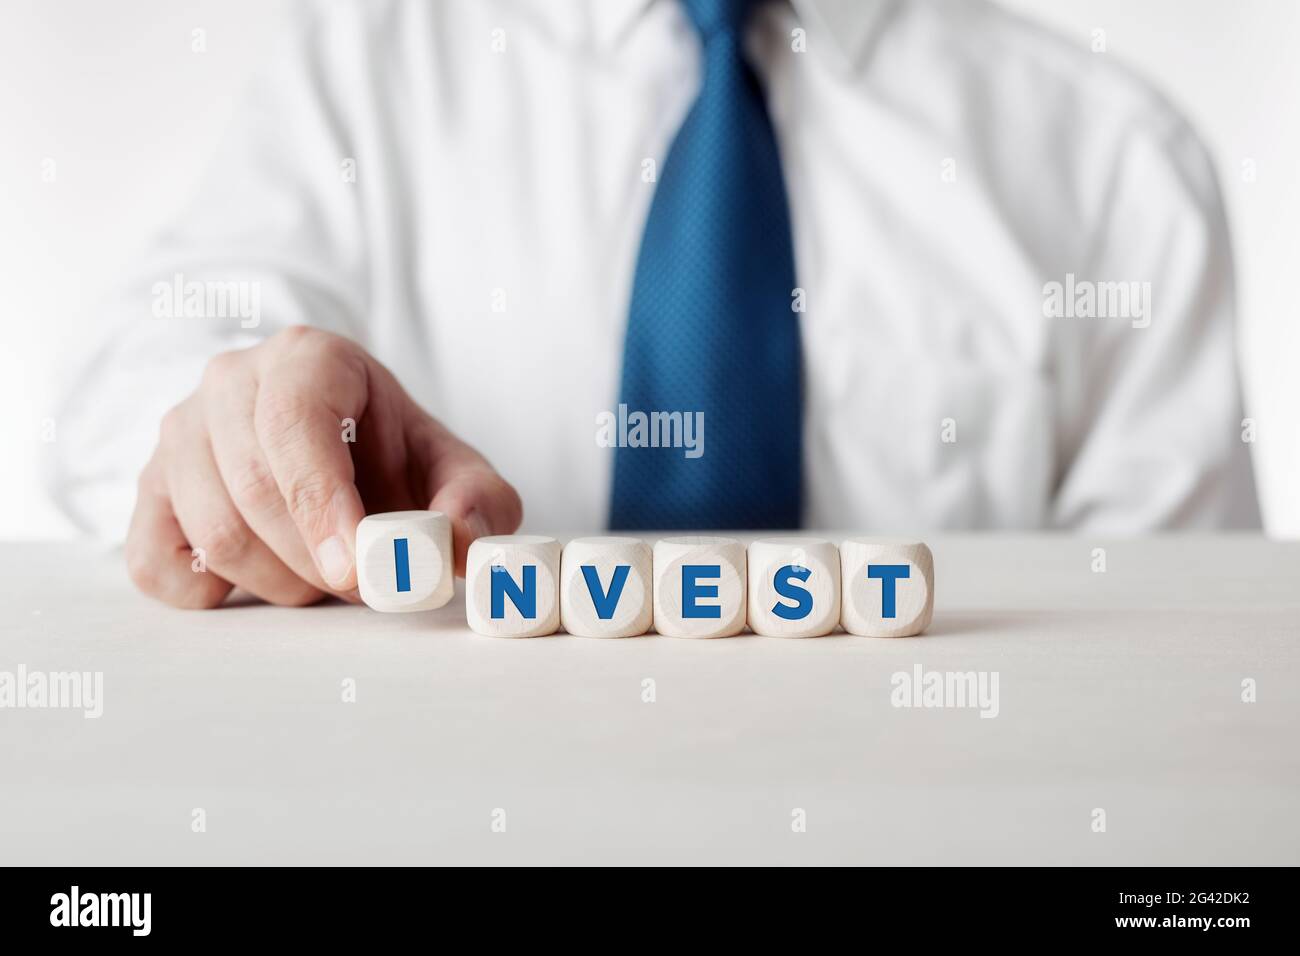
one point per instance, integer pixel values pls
(888, 574)
(692, 590)
(525, 600)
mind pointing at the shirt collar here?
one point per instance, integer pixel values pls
(845, 25)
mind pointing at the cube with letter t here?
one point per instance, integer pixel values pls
(699, 586)
(887, 585)
(512, 585)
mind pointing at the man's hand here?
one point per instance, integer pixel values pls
(253, 469)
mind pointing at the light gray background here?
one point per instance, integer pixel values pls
(113, 93)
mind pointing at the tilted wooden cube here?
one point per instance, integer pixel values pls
(605, 587)
(404, 560)
(512, 585)
(887, 587)
(794, 587)
(699, 586)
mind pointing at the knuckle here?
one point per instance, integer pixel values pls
(220, 367)
(336, 350)
(340, 359)
(253, 487)
(225, 539)
(280, 410)
(304, 342)
(142, 568)
(293, 336)
(149, 569)
(172, 424)
(308, 497)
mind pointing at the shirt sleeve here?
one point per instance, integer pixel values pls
(271, 239)
(1150, 419)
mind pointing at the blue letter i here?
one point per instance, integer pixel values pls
(403, 561)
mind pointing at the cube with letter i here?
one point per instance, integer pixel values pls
(887, 587)
(404, 560)
(512, 585)
(699, 586)
(605, 587)
(794, 587)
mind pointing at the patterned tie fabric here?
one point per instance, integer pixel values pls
(711, 331)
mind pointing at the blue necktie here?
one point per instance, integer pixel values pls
(711, 329)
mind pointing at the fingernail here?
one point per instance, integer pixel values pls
(333, 560)
(478, 526)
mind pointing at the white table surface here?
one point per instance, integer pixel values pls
(1119, 690)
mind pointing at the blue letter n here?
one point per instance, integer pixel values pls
(524, 600)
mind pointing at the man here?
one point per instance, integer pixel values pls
(907, 265)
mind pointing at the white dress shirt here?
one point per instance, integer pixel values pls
(461, 186)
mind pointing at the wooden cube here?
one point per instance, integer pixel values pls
(699, 586)
(605, 587)
(887, 587)
(512, 585)
(794, 587)
(404, 560)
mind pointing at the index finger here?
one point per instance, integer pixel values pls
(297, 419)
